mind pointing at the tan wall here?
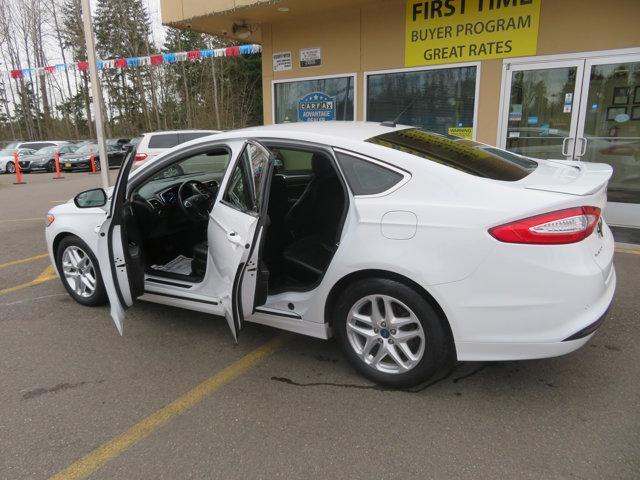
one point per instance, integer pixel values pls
(363, 39)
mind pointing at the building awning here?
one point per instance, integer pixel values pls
(242, 19)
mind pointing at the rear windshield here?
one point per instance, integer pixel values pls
(464, 155)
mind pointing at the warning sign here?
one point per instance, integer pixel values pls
(450, 31)
(462, 132)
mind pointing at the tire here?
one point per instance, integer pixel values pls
(97, 166)
(419, 329)
(99, 295)
(10, 168)
(51, 166)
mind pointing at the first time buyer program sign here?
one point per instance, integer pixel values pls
(450, 31)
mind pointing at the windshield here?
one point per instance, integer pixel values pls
(88, 148)
(467, 156)
(46, 151)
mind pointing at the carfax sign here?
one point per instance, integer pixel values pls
(450, 31)
(316, 107)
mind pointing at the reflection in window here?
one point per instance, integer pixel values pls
(612, 127)
(434, 100)
(287, 95)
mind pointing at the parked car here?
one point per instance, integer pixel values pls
(44, 159)
(149, 145)
(412, 248)
(81, 158)
(119, 142)
(7, 163)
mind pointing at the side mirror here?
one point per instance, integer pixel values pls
(96, 197)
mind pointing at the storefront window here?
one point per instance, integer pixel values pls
(322, 99)
(612, 127)
(438, 100)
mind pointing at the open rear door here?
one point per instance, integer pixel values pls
(239, 219)
(119, 249)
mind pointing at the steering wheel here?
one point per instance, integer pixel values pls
(195, 200)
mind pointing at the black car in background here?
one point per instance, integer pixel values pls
(81, 158)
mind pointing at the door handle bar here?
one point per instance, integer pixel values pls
(565, 151)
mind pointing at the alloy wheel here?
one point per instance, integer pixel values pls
(385, 334)
(11, 168)
(79, 271)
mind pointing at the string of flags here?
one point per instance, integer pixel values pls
(156, 59)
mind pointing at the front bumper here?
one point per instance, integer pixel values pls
(68, 166)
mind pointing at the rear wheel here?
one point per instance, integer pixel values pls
(10, 168)
(390, 333)
(79, 271)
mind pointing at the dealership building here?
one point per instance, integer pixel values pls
(544, 78)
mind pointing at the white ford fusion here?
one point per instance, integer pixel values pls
(412, 248)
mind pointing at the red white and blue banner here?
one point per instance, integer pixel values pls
(133, 62)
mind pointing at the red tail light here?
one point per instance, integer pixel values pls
(140, 157)
(562, 226)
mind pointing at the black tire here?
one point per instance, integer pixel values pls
(99, 296)
(10, 167)
(51, 166)
(97, 165)
(438, 351)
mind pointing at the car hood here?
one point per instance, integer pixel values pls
(33, 158)
(77, 156)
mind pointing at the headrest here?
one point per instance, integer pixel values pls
(321, 166)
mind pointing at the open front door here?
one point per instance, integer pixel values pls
(236, 230)
(120, 249)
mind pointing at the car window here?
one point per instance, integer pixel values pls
(45, 151)
(238, 193)
(38, 145)
(292, 161)
(464, 155)
(87, 149)
(186, 136)
(166, 140)
(366, 178)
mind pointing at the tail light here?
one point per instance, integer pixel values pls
(140, 157)
(562, 226)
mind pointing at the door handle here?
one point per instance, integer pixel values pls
(583, 146)
(565, 142)
(234, 238)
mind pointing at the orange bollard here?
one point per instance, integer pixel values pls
(16, 162)
(56, 157)
(93, 162)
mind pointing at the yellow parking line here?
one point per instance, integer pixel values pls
(632, 252)
(24, 260)
(23, 219)
(48, 273)
(114, 447)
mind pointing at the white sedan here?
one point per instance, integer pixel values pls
(414, 249)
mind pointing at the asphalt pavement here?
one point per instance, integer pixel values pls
(175, 397)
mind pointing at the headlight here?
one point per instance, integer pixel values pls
(50, 219)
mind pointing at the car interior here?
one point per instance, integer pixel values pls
(306, 210)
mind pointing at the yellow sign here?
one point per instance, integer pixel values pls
(450, 31)
(462, 132)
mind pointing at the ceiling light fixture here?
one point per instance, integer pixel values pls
(242, 31)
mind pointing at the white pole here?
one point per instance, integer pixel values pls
(95, 92)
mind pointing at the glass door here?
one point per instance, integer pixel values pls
(540, 115)
(609, 130)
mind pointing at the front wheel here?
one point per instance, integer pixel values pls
(79, 272)
(51, 166)
(10, 168)
(390, 333)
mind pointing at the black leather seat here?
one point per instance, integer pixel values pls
(314, 219)
(199, 262)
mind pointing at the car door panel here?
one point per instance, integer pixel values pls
(119, 255)
(235, 232)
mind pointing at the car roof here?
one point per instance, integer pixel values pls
(350, 130)
(161, 132)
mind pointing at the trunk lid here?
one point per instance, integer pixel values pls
(568, 176)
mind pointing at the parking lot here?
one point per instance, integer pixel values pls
(175, 397)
